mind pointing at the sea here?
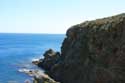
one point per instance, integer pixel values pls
(18, 50)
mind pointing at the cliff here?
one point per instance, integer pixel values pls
(93, 52)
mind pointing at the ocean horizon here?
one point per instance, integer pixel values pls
(17, 50)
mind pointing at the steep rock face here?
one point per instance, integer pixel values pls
(93, 52)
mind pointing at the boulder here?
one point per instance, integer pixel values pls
(50, 58)
(36, 62)
(44, 79)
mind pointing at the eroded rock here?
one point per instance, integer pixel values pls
(50, 58)
(92, 52)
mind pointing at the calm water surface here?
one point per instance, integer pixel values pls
(18, 50)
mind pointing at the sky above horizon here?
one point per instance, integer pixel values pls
(53, 16)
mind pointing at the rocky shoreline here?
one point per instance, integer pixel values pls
(92, 52)
(50, 58)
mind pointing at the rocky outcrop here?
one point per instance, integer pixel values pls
(43, 79)
(93, 52)
(50, 58)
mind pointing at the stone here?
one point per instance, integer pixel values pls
(44, 79)
(92, 52)
(36, 62)
(50, 58)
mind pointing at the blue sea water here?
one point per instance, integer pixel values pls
(18, 50)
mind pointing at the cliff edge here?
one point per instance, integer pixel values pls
(93, 52)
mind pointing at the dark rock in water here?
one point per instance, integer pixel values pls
(92, 52)
(36, 62)
(50, 58)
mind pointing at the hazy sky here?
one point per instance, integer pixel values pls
(53, 16)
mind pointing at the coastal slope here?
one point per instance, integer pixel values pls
(92, 52)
